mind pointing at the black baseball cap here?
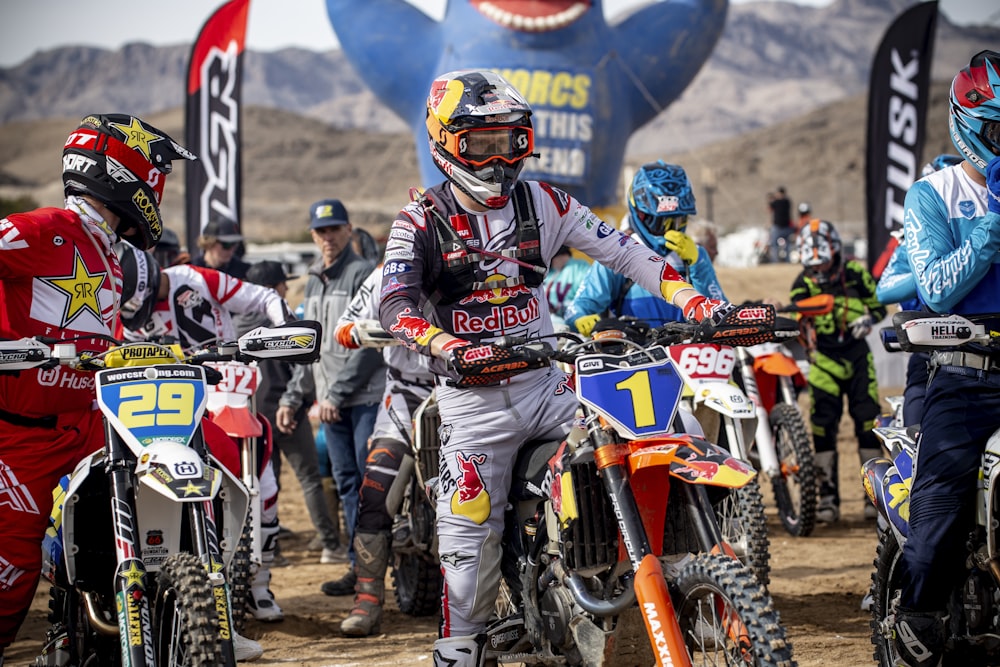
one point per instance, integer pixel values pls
(225, 231)
(327, 213)
(268, 273)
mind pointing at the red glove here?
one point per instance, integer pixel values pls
(345, 336)
(700, 308)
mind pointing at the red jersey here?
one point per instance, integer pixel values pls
(54, 281)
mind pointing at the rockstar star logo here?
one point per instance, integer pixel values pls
(133, 575)
(81, 289)
(191, 489)
(136, 136)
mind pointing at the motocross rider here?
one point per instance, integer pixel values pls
(951, 226)
(60, 277)
(660, 201)
(843, 364)
(475, 249)
(390, 460)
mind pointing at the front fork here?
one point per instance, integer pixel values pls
(650, 586)
(763, 437)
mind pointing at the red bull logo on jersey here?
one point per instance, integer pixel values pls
(498, 295)
(471, 499)
(499, 318)
(412, 326)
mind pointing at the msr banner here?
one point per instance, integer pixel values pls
(213, 121)
(897, 124)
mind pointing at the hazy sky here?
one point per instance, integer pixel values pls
(27, 26)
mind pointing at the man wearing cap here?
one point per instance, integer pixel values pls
(299, 447)
(218, 242)
(349, 383)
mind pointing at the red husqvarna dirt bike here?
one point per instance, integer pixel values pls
(143, 528)
(616, 523)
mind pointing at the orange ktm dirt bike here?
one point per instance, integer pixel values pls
(137, 547)
(616, 524)
(772, 378)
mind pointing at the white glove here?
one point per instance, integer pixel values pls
(862, 326)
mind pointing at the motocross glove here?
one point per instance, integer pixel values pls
(861, 326)
(682, 244)
(586, 323)
(700, 308)
(347, 336)
(993, 185)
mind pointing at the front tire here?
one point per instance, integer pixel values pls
(240, 576)
(740, 514)
(885, 588)
(417, 581)
(726, 616)
(185, 623)
(796, 488)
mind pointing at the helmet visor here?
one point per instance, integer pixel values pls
(479, 146)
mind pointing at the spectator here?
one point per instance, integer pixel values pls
(218, 243)
(167, 250)
(706, 235)
(805, 215)
(951, 224)
(782, 231)
(843, 364)
(562, 281)
(299, 446)
(365, 245)
(348, 383)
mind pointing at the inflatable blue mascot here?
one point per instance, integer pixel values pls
(590, 84)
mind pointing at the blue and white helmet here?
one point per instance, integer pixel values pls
(974, 117)
(660, 198)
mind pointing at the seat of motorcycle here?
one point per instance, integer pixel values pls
(532, 476)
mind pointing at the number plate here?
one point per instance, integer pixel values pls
(637, 395)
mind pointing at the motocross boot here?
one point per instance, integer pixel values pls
(261, 600)
(828, 507)
(870, 512)
(458, 652)
(919, 638)
(369, 592)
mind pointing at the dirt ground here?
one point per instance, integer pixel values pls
(817, 582)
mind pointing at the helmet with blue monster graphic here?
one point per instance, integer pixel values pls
(479, 128)
(974, 117)
(659, 199)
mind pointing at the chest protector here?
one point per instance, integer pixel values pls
(458, 274)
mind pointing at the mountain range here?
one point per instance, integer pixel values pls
(780, 101)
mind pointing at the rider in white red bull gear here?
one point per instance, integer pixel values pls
(389, 465)
(475, 249)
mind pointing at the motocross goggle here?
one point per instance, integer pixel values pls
(990, 135)
(478, 146)
(658, 225)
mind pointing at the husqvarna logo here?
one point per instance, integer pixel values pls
(185, 469)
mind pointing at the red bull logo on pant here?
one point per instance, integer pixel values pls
(471, 499)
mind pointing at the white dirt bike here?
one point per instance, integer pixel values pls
(143, 528)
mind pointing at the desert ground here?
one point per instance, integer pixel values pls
(817, 582)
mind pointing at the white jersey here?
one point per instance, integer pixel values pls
(198, 306)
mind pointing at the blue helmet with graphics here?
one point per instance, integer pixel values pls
(659, 199)
(974, 117)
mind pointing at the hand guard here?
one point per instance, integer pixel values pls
(585, 324)
(700, 308)
(682, 244)
(993, 185)
(861, 326)
(487, 365)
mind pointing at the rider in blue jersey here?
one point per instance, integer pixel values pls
(952, 234)
(660, 200)
(897, 284)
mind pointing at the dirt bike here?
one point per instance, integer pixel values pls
(136, 548)
(616, 523)
(973, 627)
(782, 445)
(727, 417)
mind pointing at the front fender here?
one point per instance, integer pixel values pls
(690, 459)
(176, 472)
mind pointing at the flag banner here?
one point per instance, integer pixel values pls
(212, 120)
(897, 124)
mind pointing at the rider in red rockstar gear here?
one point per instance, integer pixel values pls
(60, 278)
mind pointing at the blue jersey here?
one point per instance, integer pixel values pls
(897, 284)
(603, 290)
(952, 241)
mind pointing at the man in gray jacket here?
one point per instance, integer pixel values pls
(349, 383)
